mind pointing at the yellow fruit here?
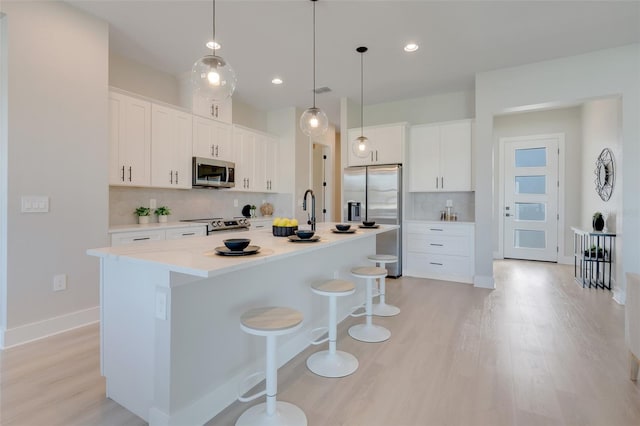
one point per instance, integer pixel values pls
(287, 222)
(276, 221)
(294, 222)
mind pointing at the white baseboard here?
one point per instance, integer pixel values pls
(41, 329)
(484, 281)
(565, 260)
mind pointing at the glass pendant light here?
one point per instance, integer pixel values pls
(313, 121)
(212, 77)
(360, 146)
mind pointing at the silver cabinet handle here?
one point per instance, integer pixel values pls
(371, 155)
(123, 173)
(376, 155)
(441, 182)
(437, 183)
(129, 173)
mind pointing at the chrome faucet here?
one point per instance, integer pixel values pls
(312, 217)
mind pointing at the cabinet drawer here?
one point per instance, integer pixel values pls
(440, 266)
(123, 238)
(193, 231)
(440, 228)
(456, 245)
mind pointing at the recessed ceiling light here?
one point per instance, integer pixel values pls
(277, 80)
(411, 47)
(213, 45)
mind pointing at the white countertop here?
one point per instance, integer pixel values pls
(153, 226)
(196, 256)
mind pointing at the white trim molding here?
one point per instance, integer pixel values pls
(482, 281)
(49, 327)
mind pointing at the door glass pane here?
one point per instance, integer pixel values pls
(532, 157)
(530, 211)
(531, 184)
(526, 238)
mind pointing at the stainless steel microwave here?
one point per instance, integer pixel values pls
(208, 172)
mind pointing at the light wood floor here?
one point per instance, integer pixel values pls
(538, 350)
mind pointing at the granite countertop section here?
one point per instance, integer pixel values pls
(153, 226)
(196, 256)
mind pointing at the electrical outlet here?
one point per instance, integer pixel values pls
(60, 282)
(235, 203)
(152, 203)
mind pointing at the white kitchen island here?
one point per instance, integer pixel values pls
(172, 350)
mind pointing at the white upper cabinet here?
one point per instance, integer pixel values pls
(171, 136)
(129, 140)
(212, 139)
(221, 111)
(439, 157)
(385, 145)
(256, 160)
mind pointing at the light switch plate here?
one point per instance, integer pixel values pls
(35, 204)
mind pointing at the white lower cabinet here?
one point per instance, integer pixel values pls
(120, 238)
(440, 250)
(261, 223)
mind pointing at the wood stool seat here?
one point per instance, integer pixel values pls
(334, 288)
(383, 258)
(273, 320)
(369, 272)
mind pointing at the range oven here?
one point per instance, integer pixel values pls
(220, 224)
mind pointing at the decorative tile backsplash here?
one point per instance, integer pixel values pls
(189, 203)
(428, 205)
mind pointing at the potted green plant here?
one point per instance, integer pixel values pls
(143, 214)
(596, 252)
(163, 212)
(597, 221)
(253, 211)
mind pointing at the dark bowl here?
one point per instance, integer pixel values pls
(304, 234)
(342, 227)
(368, 222)
(237, 244)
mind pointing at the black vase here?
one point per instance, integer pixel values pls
(598, 223)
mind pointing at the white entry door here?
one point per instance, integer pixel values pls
(531, 199)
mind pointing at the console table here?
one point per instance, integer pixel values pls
(592, 257)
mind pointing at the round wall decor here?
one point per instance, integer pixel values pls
(605, 174)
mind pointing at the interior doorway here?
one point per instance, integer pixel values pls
(530, 194)
(320, 184)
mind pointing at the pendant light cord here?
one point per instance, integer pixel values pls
(314, 53)
(361, 95)
(213, 22)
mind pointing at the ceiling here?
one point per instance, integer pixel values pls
(263, 39)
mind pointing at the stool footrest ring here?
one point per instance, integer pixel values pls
(242, 385)
(355, 308)
(317, 331)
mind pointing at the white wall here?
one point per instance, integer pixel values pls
(563, 120)
(426, 109)
(4, 167)
(132, 76)
(246, 115)
(602, 128)
(559, 82)
(57, 146)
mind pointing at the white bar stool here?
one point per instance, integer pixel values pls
(271, 322)
(369, 332)
(382, 309)
(332, 363)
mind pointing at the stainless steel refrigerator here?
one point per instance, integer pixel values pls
(374, 193)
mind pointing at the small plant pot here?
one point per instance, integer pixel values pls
(162, 218)
(143, 220)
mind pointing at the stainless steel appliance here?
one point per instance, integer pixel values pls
(212, 173)
(377, 190)
(219, 224)
(353, 211)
